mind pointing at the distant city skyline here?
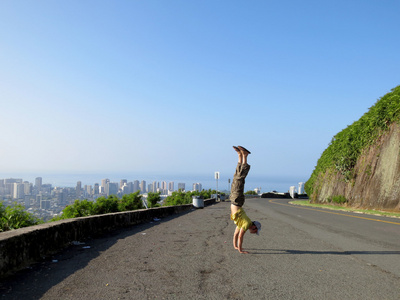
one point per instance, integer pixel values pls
(17, 188)
(266, 183)
(47, 201)
(40, 196)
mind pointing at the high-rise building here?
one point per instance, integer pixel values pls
(39, 198)
(27, 201)
(130, 187)
(136, 186)
(156, 185)
(163, 185)
(27, 188)
(181, 186)
(197, 187)
(18, 191)
(88, 190)
(96, 189)
(78, 189)
(46, 189)
(104, 183)
(9, 185)
(163, 189)
(171, 186)
(38, 183)
(126, 188)
(61, 194)
(111, 188)
(122, 182)
(2, 187)
(143, 186)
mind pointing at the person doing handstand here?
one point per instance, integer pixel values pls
(241, 220)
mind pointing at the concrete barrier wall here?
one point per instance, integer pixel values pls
(21, 247)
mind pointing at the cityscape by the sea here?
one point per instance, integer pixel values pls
(46, 195)
(262, 183)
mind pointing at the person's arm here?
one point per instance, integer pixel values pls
(235, 237)
(240, 241)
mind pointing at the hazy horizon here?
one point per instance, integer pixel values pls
(266, 183)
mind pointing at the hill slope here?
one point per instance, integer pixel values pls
(362, 163)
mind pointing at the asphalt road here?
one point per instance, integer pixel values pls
(301, 253)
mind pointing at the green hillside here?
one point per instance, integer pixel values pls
(346, 146)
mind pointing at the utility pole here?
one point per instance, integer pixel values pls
(216, 178)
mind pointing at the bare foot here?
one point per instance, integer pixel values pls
(244, 252)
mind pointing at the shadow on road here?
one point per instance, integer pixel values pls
(288, 251)
(37, 279)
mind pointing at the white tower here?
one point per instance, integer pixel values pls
(301, 188)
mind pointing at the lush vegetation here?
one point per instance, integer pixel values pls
(103, 205)
(346, 146)
(153, 199)
(250, 193)
(339, 199)
(179, 197)
(15, 216)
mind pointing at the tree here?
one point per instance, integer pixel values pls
(106, 205)
(131, 202)
(80, 208)
(153, 199)
(15, 216)
(178, 198)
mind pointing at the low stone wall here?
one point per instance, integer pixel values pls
(21, 247)
(275, 195)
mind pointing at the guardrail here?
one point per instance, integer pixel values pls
(21, 247)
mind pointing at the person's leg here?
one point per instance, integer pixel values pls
(240, 155)
(242, 169)
(244, 153)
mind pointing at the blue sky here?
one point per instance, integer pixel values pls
(169, 86)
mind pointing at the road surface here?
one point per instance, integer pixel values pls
(301, 253)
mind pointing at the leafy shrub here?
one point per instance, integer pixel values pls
(106, 205)
(130, 202)
(83, 208)
(339, 199)
(153, 199)
(15, 216)
(80, 208)
(180, 197)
